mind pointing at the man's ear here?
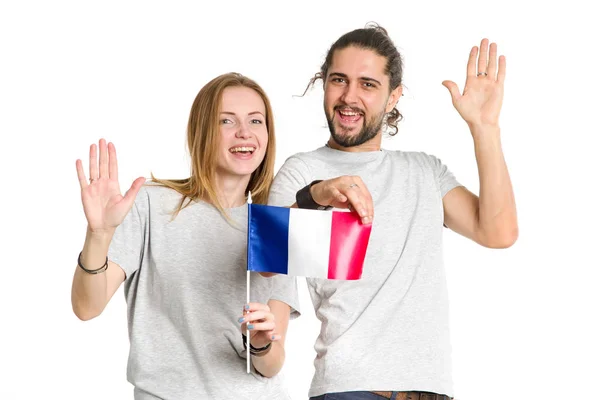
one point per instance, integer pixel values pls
(393, 99)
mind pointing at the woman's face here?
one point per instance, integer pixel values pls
(244, 136)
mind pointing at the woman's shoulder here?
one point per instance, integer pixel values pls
(153, 193)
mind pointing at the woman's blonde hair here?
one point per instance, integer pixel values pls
(203, 139)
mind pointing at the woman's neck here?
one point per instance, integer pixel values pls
(231, 190)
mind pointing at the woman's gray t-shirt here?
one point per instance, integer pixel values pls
(185, 290)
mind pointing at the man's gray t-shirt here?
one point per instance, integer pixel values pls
(185, 291)
(388, 331)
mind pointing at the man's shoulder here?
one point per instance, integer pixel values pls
(306, 156)
(410, 154)
(302, 160)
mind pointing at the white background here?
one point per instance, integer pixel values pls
(525, 321)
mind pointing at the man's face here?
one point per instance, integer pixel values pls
(357, 96)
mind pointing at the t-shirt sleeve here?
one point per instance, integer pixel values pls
(130, 241)
(291, 177)
(444, 177)
(285, 289)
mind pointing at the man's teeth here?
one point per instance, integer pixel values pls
(242, 150)
(349, 113)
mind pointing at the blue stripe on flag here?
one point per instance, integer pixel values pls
(268, 238)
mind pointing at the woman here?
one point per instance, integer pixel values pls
(180, 247)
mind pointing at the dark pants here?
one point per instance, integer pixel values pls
(349, 396)
(372, 396)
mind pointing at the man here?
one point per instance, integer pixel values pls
(387, 335)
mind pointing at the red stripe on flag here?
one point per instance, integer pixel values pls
(349, 240)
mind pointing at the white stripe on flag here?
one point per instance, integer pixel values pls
(308, 243)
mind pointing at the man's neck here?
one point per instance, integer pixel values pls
(371, 145)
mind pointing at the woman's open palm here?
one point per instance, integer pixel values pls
(103, 205)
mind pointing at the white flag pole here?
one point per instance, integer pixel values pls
(247, 332)
(248, 302)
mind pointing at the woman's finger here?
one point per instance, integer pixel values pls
(93, 162)
(103, 159)
(274, 337)
(113, 168)
(257, 316)
(261, 326)
(81, 175)
(256, 307)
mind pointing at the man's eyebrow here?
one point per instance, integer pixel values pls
(362, 78)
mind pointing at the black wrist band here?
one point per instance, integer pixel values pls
(260, 351)
(92, 271)
(306, 201)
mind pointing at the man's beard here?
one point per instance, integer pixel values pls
(369, 130)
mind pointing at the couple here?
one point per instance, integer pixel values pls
(179, 245)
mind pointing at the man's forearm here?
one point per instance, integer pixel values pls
(497, 214)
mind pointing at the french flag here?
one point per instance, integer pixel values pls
(310, 243)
